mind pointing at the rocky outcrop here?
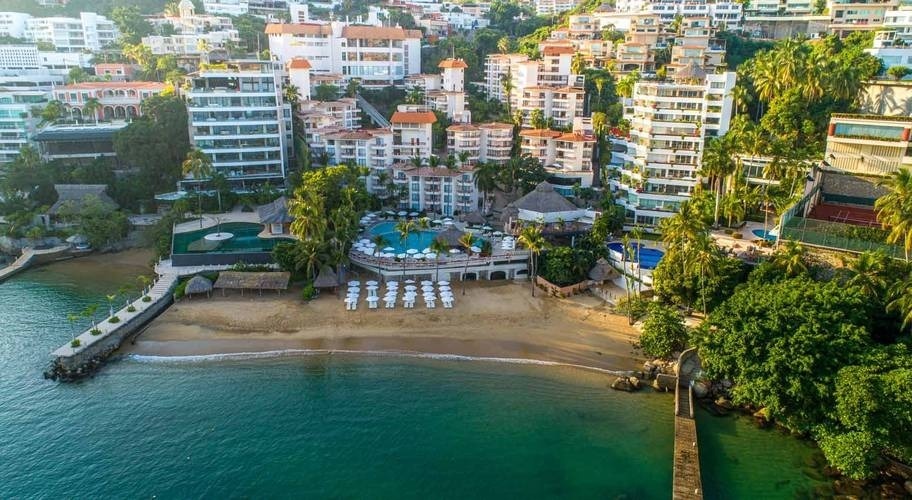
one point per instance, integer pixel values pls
(626, 384)
(665, 382)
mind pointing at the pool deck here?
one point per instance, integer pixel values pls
(213, 220)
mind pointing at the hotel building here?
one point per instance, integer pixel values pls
(485, 142)
(117, 100)
(17, 119)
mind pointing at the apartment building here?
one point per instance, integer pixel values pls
(484, 143)
(437, 190)
(412, 128)
(869, 145)
(227, 7)
(847, 16)
(18, 121)
(553, 7)
(899, 22)
(366, 147)
(567, 156)
(559, 105)
(447, 92)
(655, 169)
(239, 119)
(319, 119)
(697, 45)
(112, 100)
(27, 59)
(88, 32)
(193, 33)
(376, 55)
(115, 72)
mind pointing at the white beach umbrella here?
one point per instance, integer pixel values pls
(389, 249)
(447, 223)
(411, 251)
(431, 255)
(364, 241)
(418, 256)
(444, 288)
(370, 283)
(497, 233)
(454, 251)
(354, 283)
(475, 249)
(437, 221)
(410, 288)
(413, 214)
(400, 256)
(443, 283)
(402, 213)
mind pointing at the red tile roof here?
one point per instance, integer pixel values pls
(453, 63)
(413, 117)
(379, 33)
(299, 63)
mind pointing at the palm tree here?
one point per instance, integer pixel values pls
(144, 282)
(485, 176)
(306, 206)
(91, 106)
(578, 64)
(741, 98)
(380, 243)
(531, 238)
(312, 255)
(901, 295)
(52, 112)
(73, 318)
(506, 81)
(504, 45)
(89, 313)
(291, 94)
(705, 256)
(438, 248)
(198, 165)
(717, 164)
(404, 228)
(790, 259)
(866, 272)
(626, 250)
(894, 209)
(466, 242)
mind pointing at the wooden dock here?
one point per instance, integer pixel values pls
(686, 482)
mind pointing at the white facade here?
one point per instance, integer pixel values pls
(483, 143)
(376, 55)
(193, 34)
(89, 31)
(567, 156)
(551, 7)
(17, 120)
(899, 21)
(14, 24)
(239, 119)
(559, 105)
(226, 7)
(412, 128)
(436, 190)
(669, 122)
(25, 59)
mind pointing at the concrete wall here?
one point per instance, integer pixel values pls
(220, 259)
(887, 98)
(851, 185)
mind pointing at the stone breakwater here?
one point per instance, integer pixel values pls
(95, 346)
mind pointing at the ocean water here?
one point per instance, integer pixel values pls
(341, 426)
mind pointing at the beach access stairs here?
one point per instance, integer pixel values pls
(31, 256)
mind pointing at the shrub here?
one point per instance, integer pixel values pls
(181, 289)
(737, 235)
(95, 331)
(309, 292)
(114, 319)
(147, 299)
(636, 307)
(663, 331)
(75, 343)
(131, 309)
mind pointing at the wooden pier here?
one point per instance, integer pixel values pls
(686, 481)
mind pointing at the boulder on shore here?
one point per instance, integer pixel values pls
(623, 384)
(700, 389)
(665, 382)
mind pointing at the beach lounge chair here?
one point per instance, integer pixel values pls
(447, 303)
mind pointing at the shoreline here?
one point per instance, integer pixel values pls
(497, 322)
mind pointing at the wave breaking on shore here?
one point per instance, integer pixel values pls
(237, 356)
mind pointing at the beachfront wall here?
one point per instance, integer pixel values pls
(551, 217)
(561, 291)
(220, 259)
(512, 266)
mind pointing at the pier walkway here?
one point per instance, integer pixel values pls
(686, 482)
(29, 255)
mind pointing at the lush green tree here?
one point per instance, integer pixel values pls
(131, 24)
(101, 224)
(326, 92)
(532, 240)
(783, 343)
(898, 72)
(565, 266)
(664, 332)
(894, 209)
(252, 32)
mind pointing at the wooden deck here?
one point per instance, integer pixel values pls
(686, 477)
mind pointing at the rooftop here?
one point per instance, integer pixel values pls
(453, 63)
(413, 117)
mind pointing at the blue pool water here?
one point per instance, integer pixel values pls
(648, 257)
(419, 239)
(762, 233)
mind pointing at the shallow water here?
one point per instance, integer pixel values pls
(341, 425)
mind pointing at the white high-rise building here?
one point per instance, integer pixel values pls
(376, 55)
(226, 7)
(89, 31)
(655, 169)
(17, 119)
(238, 118)
(193, 33)
(412, 132)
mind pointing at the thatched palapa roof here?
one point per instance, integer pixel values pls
(326, 279)
(544, 199)
(601, 271)
(275, 212)
(198, 284)
(450, 237)
(237, 280)
(74, 195)
(475, 218)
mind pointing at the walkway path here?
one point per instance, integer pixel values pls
(686, 482)
(29, 254)
(372, 112)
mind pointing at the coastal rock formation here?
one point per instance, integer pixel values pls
(664, 382)
(627, 384)
(701, 389)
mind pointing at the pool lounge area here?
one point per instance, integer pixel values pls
(223, 244)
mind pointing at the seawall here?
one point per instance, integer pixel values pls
(72, 363)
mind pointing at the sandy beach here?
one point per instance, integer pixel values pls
(493, 319)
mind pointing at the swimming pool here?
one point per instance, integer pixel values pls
(418, 239)
(245, 240)
(648, 257)
(764, 234)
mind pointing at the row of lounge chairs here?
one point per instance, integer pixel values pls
(409, 295)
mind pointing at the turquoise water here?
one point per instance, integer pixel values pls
(341, 426)
(649, 258)
(245, 240)
(764, 234)
(419, 240)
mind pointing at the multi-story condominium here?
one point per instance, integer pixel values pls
(554, 68)
(551, 7)
(515, 67)
(696, 45)
(79, 144)
(27, 59)
(14, 24)
(449, 96)
(17, 119)
(115, 100)
(193, 33)
(239, 119)
(226, 7)
(847, 16)
(318, 119)
(567, 157)
(89, 31)
(44, 81)
(655, 169)
(485, 142)
(412, 128)
(560, 105)
(868, 145)
(899, 22)
(376, 55)
(366, 147)
(437, 190)
(890, 49)
(115, 72)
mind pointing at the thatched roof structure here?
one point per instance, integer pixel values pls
(275, 212)
(475, 218)
(74, 195)
(198, 284)
(544, 199)
(237, 280)
(326, 279)
(691, 72)
(602, 271)
(450, 237)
